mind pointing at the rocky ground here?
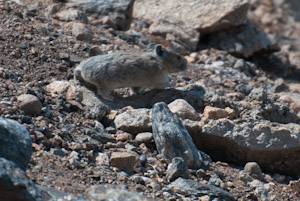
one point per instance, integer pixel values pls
(239, 100)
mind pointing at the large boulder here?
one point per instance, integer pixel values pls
(273, 146)
(15, 142)
(204, 15)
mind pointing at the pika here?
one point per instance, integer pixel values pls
(135, 70)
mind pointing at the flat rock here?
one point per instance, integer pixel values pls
(203, 15)
(243, 41)
(191, 187)
(125, 160)
(273, 146)
(118, 11)
(30, 104)
(134, 121)
(183, 110)
(14, 185)
(171, 137)
(15, 142)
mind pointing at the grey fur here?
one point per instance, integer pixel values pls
(122, 69)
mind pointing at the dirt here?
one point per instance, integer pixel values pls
(37, 50)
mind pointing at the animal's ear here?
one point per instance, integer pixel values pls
(160, 51)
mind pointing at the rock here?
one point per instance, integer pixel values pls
(91, 100)
(102, 159)
(123, 137)
(30, 104)
(183, 110)
(263, 191)
(253, 169)
(15, 142)
(177, 34)
(81, 32)
(216, 181)
(134, 121)
(218, 113)
(204, 15)
(190, 187)
(103, 137)
(171, 137)
(58, 87)
(251, 141)
(295, 186)
(14, 185)
(118, 11)
(244, 40)
(177, 168)
(125, 160)
(50, 193)
(104, 192)
(147, 182)
(74, 93)
(145, 137)
(70, 15)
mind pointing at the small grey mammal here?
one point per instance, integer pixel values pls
(135, 70)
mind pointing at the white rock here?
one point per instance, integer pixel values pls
(134, 121)
(58, 87)
(183, 110)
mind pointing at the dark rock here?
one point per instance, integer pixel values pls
(190, 187)
(177, 168)
(103, 137)
(14, 185)
(171, 137)
(15, 142)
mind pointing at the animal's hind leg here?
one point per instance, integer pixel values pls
(105, 94)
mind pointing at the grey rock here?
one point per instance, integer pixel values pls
(190, 187)
(71, 15)
(171, 137)
(49, 194)
(134, 121)
(14, 185)
(177, 168)
(15, 142)
(252, 168)
(81, 32)
(118, 11)
(30, 104)
(244, 40)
